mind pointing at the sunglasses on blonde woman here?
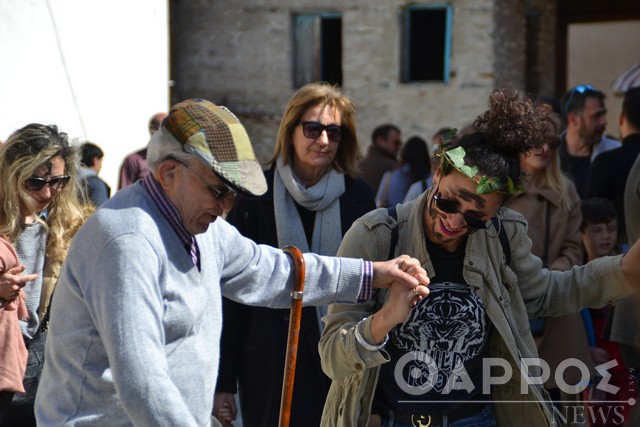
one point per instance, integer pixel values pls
(56, 183)
(313, 130)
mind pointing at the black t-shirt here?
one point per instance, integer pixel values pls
(436, 355)
(576, 168)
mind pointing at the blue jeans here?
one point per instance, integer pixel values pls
(483, 418)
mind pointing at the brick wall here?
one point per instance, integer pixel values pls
(239, 53)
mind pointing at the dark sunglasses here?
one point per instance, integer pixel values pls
(447, 206)
(579, 89)
(56, 183)
(313, 130)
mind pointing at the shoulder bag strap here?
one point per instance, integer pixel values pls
(394, 232)
(504, 240)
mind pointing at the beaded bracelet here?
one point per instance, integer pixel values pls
(364, 343)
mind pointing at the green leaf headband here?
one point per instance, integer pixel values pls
(486, 185)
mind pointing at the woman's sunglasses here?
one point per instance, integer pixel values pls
(56, 183)
(447, 206)
(313, 130)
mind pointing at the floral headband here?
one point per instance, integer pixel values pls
(486, 185)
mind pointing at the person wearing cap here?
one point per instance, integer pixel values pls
(136, 316)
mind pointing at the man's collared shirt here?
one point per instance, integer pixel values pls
(172, 215)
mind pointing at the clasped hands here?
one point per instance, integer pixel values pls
(408, 283)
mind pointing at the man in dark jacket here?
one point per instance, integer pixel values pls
(382, 155)
(609, 171)
(96, 190)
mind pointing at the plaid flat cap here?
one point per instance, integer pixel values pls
(216, 136)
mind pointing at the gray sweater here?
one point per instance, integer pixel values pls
(31, 246)
(135, 327)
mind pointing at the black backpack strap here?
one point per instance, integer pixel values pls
(394, 232)
(504, 240)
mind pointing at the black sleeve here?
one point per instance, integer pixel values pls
(599, 183)
(231, 344)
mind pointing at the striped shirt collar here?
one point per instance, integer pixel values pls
(170, 212)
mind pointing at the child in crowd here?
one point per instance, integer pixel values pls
(599, 235)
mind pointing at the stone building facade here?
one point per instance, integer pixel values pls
(240, 54)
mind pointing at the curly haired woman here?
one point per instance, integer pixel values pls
(39, 214)
(457, 357)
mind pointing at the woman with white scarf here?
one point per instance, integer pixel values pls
(313, 197)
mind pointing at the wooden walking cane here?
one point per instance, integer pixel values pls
(294, 335)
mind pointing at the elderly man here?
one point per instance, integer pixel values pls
(136, 316)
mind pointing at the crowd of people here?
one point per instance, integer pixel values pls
(481, 278)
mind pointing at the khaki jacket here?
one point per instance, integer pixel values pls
(510, 295)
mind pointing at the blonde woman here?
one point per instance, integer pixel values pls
(551, 206)
(312, 199)
(39, 213)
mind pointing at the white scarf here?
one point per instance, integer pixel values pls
(323, 198)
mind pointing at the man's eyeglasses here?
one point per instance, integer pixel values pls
(447, 206)
(313, 130)
(217, 193)
(56, 183)
(580, 89)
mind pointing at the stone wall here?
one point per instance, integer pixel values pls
(239, 53)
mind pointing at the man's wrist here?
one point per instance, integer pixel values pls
(366, 288)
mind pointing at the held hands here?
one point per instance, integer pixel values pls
(404, 294)
(13, 280)
(224, 408)
(403, 270)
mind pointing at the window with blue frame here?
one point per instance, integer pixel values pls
(426, 43)
(317, 48)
